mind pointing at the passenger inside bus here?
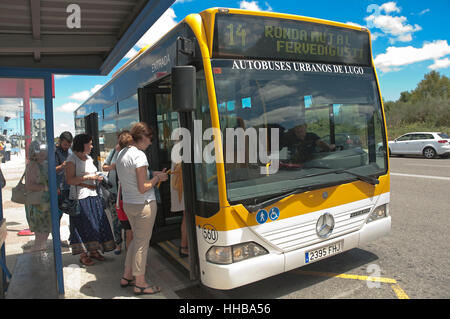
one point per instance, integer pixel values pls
(302, 144)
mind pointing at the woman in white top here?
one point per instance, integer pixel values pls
(139, 203)
(90, 230)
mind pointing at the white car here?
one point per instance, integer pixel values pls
(428, 144)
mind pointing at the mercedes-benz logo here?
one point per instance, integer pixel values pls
(325, 225)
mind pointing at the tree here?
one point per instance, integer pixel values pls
(432, 86)
(405, 96)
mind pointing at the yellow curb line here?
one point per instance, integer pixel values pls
(394, 285)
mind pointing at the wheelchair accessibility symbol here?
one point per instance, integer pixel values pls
(274, 213)
(262, 216)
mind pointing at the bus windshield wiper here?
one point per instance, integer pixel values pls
(276, 198)
(364, 178)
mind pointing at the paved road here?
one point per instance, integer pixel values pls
(412, 262)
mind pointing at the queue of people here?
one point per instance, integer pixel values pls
(129, 179)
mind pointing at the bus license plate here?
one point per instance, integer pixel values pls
(325, 251)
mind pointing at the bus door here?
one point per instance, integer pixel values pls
(155, 109)
(91, 128)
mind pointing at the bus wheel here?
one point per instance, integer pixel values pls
(429, 153)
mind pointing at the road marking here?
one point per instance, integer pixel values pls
(347, 276)
(422, 176)
(399, 292)
(445, 166)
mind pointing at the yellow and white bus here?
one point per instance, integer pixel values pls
(228, 69)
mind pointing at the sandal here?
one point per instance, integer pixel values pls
(130, 282)
(97, 255)
(85, 260)
(155, 289)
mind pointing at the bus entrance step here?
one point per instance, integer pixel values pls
(33, 277)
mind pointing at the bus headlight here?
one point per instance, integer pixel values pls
(379, 212)
(230, 254)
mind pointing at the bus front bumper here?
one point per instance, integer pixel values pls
(226, 277)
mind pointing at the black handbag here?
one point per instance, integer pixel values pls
(71, 207)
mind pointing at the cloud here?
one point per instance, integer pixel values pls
(84, 95)
(396, 27)
(254, 6)
(61, 76)
(68, 107)
(396, 57)
(424, 11)
(81, 96)
(440, 64)
(389, 7)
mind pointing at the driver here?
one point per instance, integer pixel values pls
(302, 144)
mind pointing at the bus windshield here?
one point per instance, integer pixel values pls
(328, 118)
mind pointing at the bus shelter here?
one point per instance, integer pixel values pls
(40, 38)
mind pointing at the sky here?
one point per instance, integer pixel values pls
(409, 39)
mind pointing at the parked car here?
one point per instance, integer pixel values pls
(428, 144)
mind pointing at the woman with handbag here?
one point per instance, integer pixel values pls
(89, 230)
(38, 198)
(139, 203)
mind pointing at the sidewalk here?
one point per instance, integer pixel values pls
(98, 281)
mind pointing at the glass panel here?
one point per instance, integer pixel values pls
(128, 113)
(107, 131)
(326, 121)
(406, 137)
(23, 149)
(125, 122)
(129, 105)
(205, 173)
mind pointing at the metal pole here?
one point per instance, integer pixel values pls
(52, 182)
(26, 117)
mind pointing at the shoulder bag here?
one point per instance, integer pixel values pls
(19, 193)
(21, 196)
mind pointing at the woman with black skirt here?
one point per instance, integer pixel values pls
(90, 230)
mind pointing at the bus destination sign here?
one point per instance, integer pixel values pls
(257, 37)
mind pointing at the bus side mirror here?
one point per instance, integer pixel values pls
(183, 88)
